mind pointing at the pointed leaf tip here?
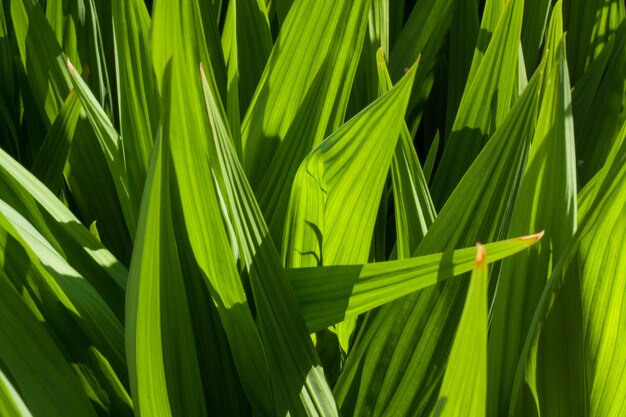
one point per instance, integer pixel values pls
(535, 237)
(481, 255)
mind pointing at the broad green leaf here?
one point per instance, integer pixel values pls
(186, 132)
(485, 102)
(137, 91)
(38, 369)
(491, 14)
(399, 356)
(464, 388)
(329, 294)
(11, 403)
(52, 156)
(296, 107)
(547, 201)
(333, 203)
(298, 381)
(171, 323)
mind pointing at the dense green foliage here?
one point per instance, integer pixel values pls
(272, 207)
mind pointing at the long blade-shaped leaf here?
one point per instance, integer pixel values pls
(295, 108)
(413, 206)
(52, 156)
(329, 294)
(546, 204)
(137, 93)
(573, 357)
(464, 388)
(298, 381)
(391, 359)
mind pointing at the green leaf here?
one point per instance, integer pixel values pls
(165, 378)
(597, 129)
(413, 206)
(333, 203)
(329, 294)
(39, 371)
(77, 29)
(589, 26)
(298, 382)
(137, 91)
(536, 13)
(588, 194)
(547, 201)
(52, 156)
(87, 173)
(61, 229)
(431, 157)
(463, 41)
(247, 43)
(195, 22)
(485, 103)
(423, 36)
(11, 403)
(464, 388)
(59, 291)
(109, 141)
(401, 345)
(296, 107)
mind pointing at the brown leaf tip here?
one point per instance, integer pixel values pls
(70, 67)
(481, 255)
(534, 237)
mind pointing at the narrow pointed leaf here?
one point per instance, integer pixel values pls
(392, 358)
(52, 156)
(298, 381)
(548, 205)
(464, 388)
(329, 294)
(137, 91)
